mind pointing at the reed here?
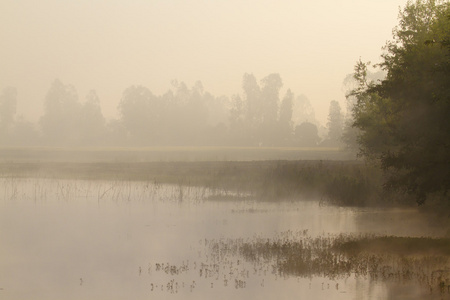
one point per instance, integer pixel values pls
(350, 183)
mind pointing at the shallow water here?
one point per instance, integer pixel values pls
(72, 239)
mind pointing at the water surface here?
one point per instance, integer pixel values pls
(73, 239)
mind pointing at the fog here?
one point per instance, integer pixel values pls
(77, 239)
(111, 45)
(202, 149)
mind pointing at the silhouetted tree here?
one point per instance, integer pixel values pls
(191, 114)
(239, 131)
(61, 116)
(8, 104)
(285, 124)
(270, 94)
(197, 114)
(24, 133)
(252, 98)
(92, 125)
(303, 111)
(270, 91)
(138, 109)
(334, 125)
(307, 135)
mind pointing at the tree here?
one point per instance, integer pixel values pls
(187, 110)
(307, 135)
(285, 118)
(350, 133)
(270, 91)
(252, 98)
(404, 119)
(270, 97)
(61, 114)
(303, 111)
(92, 127)
(24, 133)
(8, 104)
(286, 109)
(139, 112)
(238, 126)
(335, 124)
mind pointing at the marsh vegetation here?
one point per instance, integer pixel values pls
(115, 237)
(351, 183)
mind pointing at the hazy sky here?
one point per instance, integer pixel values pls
(108, 45)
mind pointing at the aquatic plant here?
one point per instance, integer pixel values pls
(343, 183)
(425, 261)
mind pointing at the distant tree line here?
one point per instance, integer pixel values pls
(182, 116)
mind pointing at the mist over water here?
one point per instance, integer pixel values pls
(80, 239)
(224, 149)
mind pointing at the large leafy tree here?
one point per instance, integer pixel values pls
(405, 119)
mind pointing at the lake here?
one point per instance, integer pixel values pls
(79, 239)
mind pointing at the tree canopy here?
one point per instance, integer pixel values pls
(405, 118)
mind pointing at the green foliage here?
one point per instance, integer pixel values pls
(405, 118)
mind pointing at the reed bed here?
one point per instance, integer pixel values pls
(350, 183)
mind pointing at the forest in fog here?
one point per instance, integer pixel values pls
(293, 168)
(183, 116)
(395, 116)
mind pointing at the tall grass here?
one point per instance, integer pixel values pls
(349, 183)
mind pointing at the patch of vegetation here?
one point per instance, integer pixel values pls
(340, 182)
(410, 246)
(388, 258)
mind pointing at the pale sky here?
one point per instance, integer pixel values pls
(108, 45)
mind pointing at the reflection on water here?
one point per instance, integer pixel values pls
(68, 239)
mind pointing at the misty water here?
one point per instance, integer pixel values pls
(74, 239)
